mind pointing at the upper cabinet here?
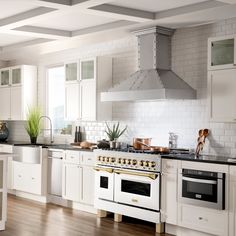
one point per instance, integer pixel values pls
(82, 97)
(222, 53)
(18, 89)
(221, 95)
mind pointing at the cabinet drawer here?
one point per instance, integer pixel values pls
(169, 166)
(72, 157)
(87, 158)
(204, 219)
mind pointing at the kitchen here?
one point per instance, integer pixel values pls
(113, 46)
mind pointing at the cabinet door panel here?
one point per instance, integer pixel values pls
(71, 101)
(169, 197)
(16, 76)
(5, 103)
(5, 77)
(87, 185)
(16, 103)
(71, 182)
(222, 87)
(88, 100)
(71, 72)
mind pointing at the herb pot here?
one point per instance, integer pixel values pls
(33, 140)
(115, 145)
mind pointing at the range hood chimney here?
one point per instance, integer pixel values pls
(154, 79)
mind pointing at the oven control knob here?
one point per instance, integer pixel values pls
(134, 162)
(103, 158)
(152, 164)
(99, 158)
(140, 163)
(107, 159)
(145, 163)
(127, 161)
(112, 159)
(123, 161)
(119, 160)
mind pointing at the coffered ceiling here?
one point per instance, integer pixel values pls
(30, 22)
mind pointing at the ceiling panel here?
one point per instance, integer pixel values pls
(72, 21)
(7, 39)
(13, 7)
(155, 5)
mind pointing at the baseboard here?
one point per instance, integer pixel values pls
(82, 207)
(2, 225)
(57, 200)
(41, 199)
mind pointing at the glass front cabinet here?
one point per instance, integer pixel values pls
(11, 76)
(222, 53)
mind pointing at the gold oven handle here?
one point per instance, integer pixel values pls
(109, 170)
(151, 176)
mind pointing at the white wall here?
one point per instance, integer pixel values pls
(156, 119)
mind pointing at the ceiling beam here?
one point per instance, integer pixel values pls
(23, 18)
(188, 9)
(123, 13)
(25, 44)
(228, 1)
(41, 32)
(103, 27)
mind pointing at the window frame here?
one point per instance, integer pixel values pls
(46, 123)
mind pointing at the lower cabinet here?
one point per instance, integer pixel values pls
(71, 182)
(203, 219)
(8, 149)
(78, 177)
(27, 177)
(232, 202)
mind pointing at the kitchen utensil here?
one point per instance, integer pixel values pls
(138, 143)
(156, 148)
(202, 133)
(86, 144)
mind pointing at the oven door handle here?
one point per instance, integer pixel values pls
(151, 176)
(109, 170)
(199, 180)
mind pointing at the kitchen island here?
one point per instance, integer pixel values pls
(3, 188)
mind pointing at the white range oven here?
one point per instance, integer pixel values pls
(127, 183)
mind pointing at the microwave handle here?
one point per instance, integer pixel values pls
(200, 180)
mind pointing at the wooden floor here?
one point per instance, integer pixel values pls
(27, 218)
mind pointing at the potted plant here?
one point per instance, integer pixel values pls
(33, 126)
(113, 134)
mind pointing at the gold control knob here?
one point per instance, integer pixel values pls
(119, 160)
(140, 163)
(112, 159)
(127, 161)
(134, 162)
(103, 158)
(123, 161)
(145, 163)
(152, 164)
(107, 159)
(99, 158)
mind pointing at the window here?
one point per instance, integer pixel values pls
(56, 100)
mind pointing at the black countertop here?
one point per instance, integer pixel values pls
(202, 158)
(49, 146)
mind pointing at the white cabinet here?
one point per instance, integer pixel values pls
(169, 181)
(3, 192)
(221, 95)
(71, 101)
(8, 149)
(232, 201)
(95, 77)
(27, 177)
(71, 72)
(18, 89)
(203, 219)
(78, 177)
(71, 182)
(222, 52)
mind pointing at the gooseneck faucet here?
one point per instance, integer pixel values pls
(50, 122)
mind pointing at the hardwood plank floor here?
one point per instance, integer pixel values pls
(28, 218)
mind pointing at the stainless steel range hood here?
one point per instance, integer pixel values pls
(154, 79)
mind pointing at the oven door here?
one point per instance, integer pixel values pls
(104, 182)
(137, 188)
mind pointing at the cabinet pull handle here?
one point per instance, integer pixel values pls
(200, 218)
(19, 176)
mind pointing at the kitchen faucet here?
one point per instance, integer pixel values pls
(50, 122)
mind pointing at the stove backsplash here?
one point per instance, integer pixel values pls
(157, 119)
